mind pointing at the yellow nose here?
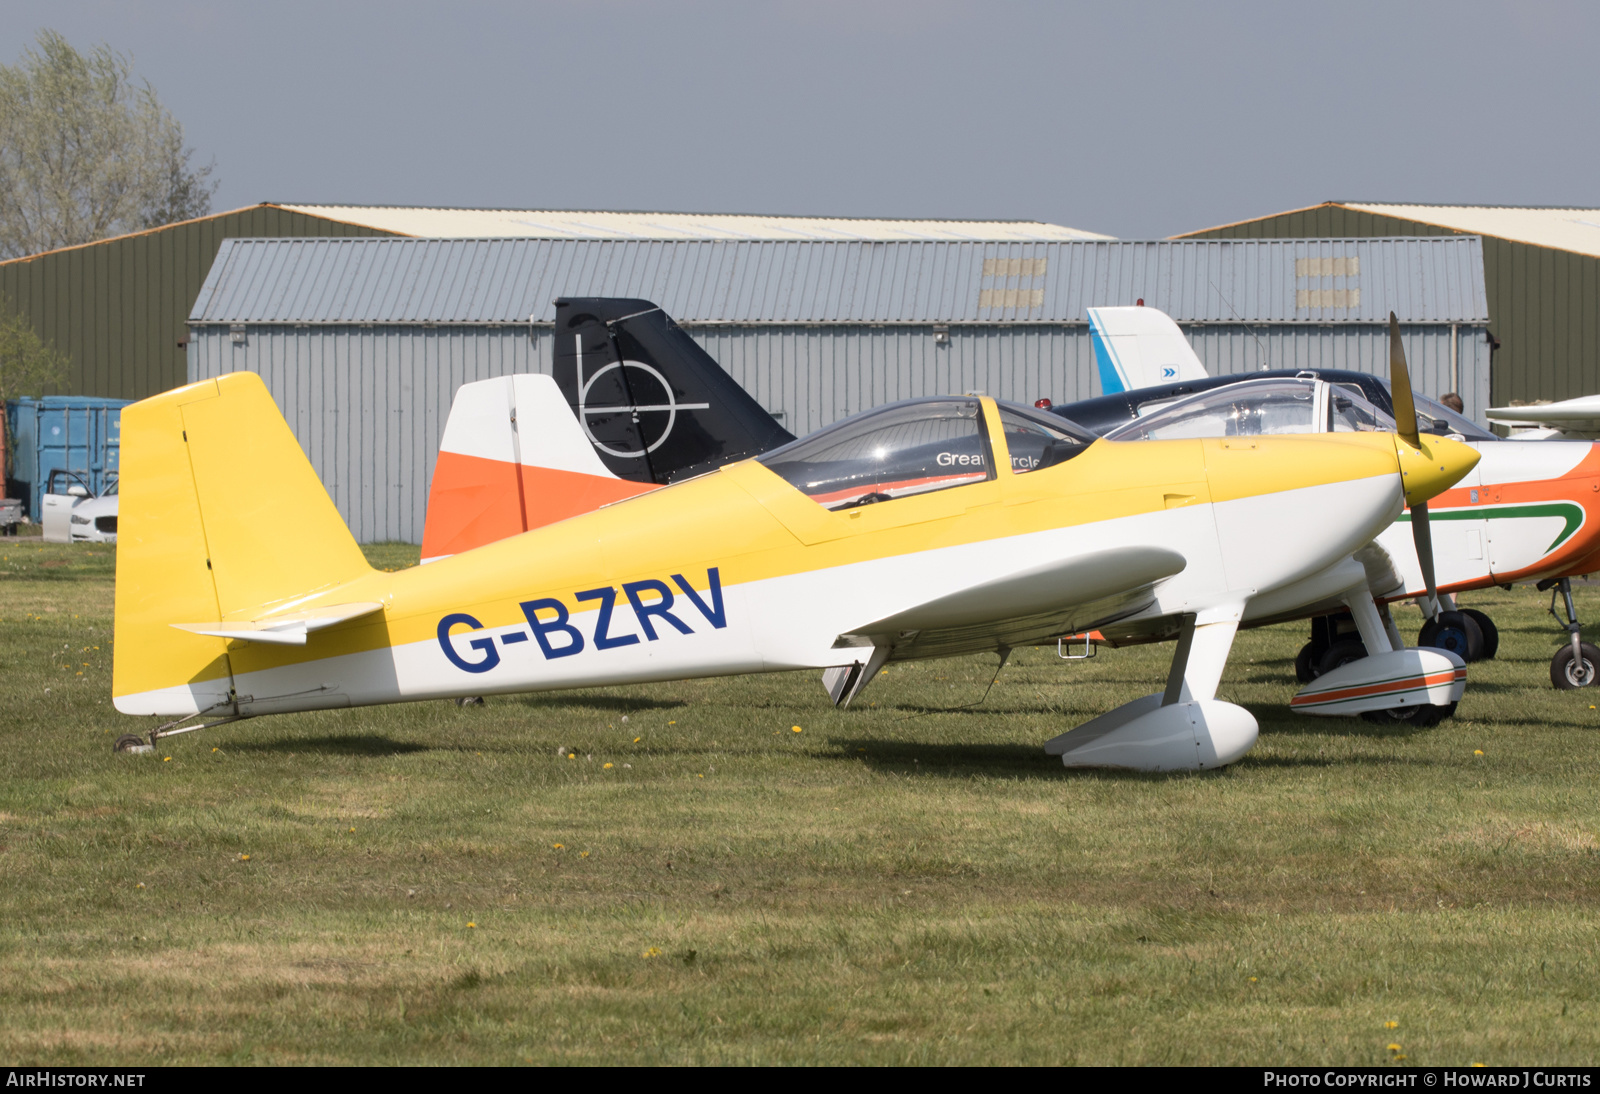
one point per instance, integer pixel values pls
(1434, 468)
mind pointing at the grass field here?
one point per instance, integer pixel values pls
(672, 874)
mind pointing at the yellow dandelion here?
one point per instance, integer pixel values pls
(699, 776)
(1391, 1025)
(166, 759)
(797, 729)
(651, 952)
(216, 750)
(1394, 1047)
(1477, 752)
(572, 755)
(474, 926)
(1252, 980)
(244, 858)
(139, 886)
(675, 723)
(352, 829)
(636, 740)
(558, 847)
(583, 854)
(607, 767)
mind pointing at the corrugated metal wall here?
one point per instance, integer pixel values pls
(1544, 305)
(368, 403)
(118, 308)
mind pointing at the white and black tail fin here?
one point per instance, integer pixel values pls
(1140, 347)
(512, 458)
(655, 405)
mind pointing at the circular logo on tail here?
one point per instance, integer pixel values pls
(668, 404)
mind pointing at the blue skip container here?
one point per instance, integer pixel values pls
(63, 433)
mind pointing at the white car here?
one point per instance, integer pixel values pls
(70, 513)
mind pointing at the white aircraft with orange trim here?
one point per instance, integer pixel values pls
(1522, 515)
(926, 528)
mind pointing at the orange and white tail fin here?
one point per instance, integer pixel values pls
(513, 457)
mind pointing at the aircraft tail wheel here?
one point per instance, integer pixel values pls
(1305, 664)
(132, 742)
(1453, 631)
(1491, 633)
(1418, 717)
(1568, 671)
(1340, 653)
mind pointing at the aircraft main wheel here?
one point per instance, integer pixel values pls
(1453, 631)
(1421, 717)
(1568, 672)
(131, 742)
(1305, 663)
(1491, 633)
(1340, 653)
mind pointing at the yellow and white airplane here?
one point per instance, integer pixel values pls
(921, 529)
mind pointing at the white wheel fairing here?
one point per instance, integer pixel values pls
(1145, 736)
(1400, 678)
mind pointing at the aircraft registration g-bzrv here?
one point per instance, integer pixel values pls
(925, 528)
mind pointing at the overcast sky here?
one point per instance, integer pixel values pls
(1137, 120)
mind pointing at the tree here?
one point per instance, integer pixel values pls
(87, 152)
(28, 366)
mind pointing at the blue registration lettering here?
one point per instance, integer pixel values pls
(491, 656)
(662, 608)
(608, 601)
(543, 629)
(717, 614)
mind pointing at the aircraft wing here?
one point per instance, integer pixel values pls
(290, 629)
(1027, 606)
(1578, 417)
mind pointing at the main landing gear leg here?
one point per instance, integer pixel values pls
(1182, 728)
(1576, 664)
(1390, 629)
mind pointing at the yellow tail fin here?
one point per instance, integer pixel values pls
(221, 517)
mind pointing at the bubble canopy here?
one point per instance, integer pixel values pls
(1304, 404)
(1258, 408)
(919, 446)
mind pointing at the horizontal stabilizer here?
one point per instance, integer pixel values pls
(290, 629)
(1578, 417)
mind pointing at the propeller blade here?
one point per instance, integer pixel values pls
(1405, 407)
(1405, 422)
(1422, 536)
